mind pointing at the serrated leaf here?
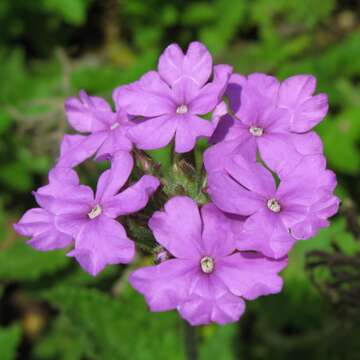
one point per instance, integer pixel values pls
(122, 329)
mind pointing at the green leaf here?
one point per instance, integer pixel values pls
(9, 340)
(22, 263)
(119, 329)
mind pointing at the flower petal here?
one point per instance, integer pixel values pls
(265, 232)
(278, 152)
(39, 224)
(221, 310)
(133, 199)
(252, 176)
(50, 240)
(170, 64)
(149, 96)
(111, 181)
(217, 237)
(210, 95)
(154, 133)
(71, 224)
(231, 197)
(178, 228)
(316, 219)
(116, 141)
(165, 285)
(101, 242)
(189, 129)
(34, 221)
(229, 128)
(81, 112)
(196, 64)
(233, 91)
(295, 94)
(251, 275)
(76, 148)
(63, 194)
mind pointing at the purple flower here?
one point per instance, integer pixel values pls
(278, 216)
(171, 100)
(206, 280)
(70, 211)
(272, 118)
(107, 130)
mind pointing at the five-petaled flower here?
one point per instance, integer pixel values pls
(76, 214)
(277, 215)
(171, 101)
(206, 280)
(272, 118)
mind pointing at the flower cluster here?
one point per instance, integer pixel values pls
(265, 187)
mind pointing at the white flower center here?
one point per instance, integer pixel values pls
(95, 212)
(207, 264)
(256, 131)
(114, 126)
(273, 205)
(182, 109)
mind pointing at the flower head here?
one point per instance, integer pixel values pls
(171, 101)
(206, 280)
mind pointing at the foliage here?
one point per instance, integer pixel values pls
(9, 340)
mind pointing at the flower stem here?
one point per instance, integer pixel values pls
(191, 341)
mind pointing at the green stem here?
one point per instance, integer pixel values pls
(191, 341)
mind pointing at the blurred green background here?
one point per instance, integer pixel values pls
(49, 50)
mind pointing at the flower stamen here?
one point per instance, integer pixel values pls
(95, 212)
(207, 264)
(114, 126)
(273, 205)
(256, 131)
(182, 109)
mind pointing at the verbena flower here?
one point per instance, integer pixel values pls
(272, 118)
(171, 101)
(106, 130)
(278, 215)
(266, 176)
(75, 213)
(206, 280)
